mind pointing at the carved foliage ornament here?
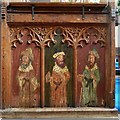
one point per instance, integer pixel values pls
(36, 35)
(75, 37)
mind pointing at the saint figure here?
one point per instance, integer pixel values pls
(29, 96)
(90, 79)
(58, 81)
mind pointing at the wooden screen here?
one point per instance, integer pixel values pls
(61, 61)
(75, 43)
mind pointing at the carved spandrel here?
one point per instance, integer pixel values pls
(42, 36)
(73, 37)
(45, 36)
(14, 37)
(76, 37)
(36, 35)
(95, 35)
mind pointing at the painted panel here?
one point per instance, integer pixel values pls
(25, 69)
(91, 68)
(61, 66)
(59, 71)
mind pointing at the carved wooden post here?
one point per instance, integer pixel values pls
(45, 42)
(75, 74)
(42, 77)
(6, 57)
(112, 52)
(0, 65)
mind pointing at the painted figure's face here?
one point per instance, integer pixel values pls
(91, 60)
(60, 61)
(25, 60)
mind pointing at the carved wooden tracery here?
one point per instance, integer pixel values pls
(74, 37)
(37, 36)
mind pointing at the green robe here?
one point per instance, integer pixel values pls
(89, 86)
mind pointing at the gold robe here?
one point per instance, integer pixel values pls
(29, 86)
(58, 82)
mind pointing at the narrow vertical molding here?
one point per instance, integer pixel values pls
(0, 61)
(75, 75)
(42, 84)
(5, 60)
(112, 56)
